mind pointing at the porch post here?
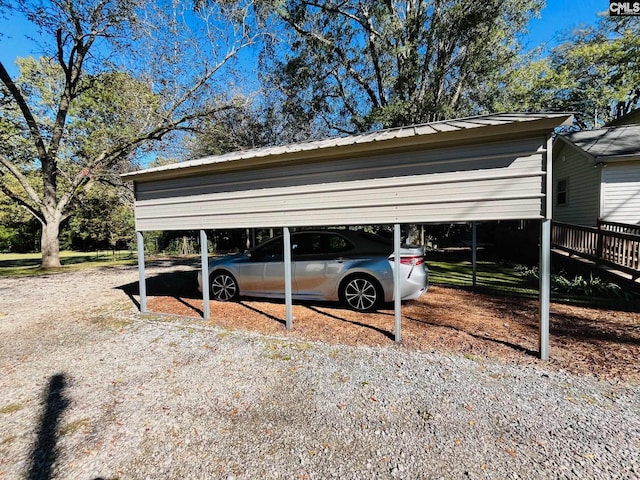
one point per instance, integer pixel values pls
(397, 304)
(141, 279)
(287, 277)
(204, 269)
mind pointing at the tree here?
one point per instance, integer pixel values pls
(357, 64)
(595, 72)
(229, 131)
(119, 77)
(102, 219)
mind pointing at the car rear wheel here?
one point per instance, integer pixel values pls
(223, 286)
(361, 293)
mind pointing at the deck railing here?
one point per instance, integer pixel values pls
(613, 244)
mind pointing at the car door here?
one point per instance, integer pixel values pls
(263, 273)
(318, 263)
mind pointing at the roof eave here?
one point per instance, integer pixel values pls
(544, 125)
(575, 147)
(618, 158)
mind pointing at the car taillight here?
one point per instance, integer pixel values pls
(412, 260)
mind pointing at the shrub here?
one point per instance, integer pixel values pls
(578, 285)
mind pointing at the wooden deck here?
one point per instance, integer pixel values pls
(613, 246)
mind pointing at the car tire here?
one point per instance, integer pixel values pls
(361, 293)
(224, 286)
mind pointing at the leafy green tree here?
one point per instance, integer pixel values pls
(121, 78)
(102, 219)
(595, 73)
(356, 64)
(19, 231)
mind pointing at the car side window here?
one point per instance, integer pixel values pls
(319, 244)
(338, 244)
(270, 251)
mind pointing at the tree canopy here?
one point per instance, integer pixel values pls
(117, 77)
(595, 73)
(353, 65)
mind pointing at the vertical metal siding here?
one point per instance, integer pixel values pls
(492, 181)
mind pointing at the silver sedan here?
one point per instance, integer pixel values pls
(353, 267)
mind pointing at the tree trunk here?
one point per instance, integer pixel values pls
(50, 244)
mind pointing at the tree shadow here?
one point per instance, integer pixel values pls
(45, 451)
(386, 333)
(179, 285)
(261, 312)
(511, 345)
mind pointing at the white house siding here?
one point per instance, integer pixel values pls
(621, 193)
(583, 187)
(491, 181)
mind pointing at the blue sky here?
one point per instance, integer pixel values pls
(558, 17)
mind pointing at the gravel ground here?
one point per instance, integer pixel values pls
(89, 389)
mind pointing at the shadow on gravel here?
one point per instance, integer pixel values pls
(45, 451)
(179, 285)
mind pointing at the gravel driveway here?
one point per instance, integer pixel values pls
(89, 389)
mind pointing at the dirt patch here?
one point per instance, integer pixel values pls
(605, 343)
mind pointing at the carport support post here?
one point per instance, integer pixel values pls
(204, 259)
(545, 256)
(287, 277)
(474, 255)
(397, 304)
(545, 288)
(141, 281)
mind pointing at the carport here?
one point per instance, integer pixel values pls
(483, 168)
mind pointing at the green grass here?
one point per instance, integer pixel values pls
(490, 276)
(29, 263)
(503, 279)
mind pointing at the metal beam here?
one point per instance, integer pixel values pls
(397, 304)
(474, 255)
(287, 277)
(545, 288)
(204, 267)
(141, 280)
(545, 255)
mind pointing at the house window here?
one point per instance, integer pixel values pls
(562, 192)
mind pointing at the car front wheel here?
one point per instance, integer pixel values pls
(223, 286)
(361, 293)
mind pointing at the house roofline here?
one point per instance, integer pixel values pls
(568, 142)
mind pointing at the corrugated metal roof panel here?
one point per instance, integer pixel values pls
(424, 130)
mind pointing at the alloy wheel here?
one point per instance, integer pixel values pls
(223, 287)
(361, 294)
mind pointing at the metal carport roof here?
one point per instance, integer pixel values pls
(488, 167)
